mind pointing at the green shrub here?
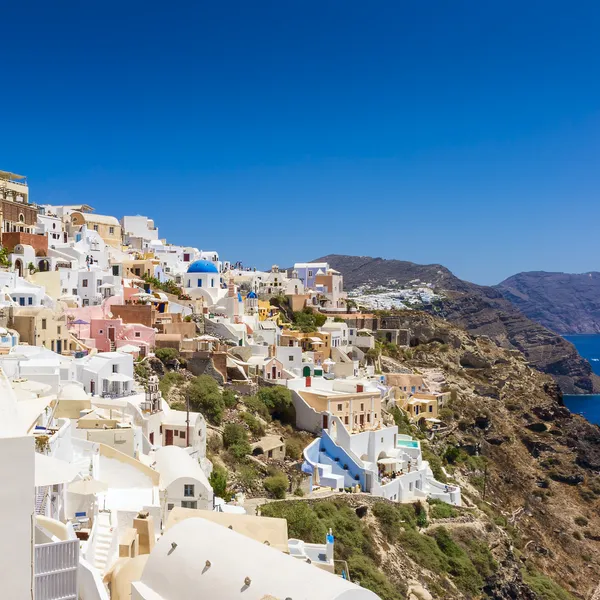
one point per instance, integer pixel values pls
(434, 462)
(581, 521)
(205, 396)
(239, 450)
(389, 520)
(234, 433)
(166, 354)
(247, 476)
(141, 370)
(229, 398)
(442, 510)
(214, 444)
(169, 380)
(218, 481)
(278, 400)
(293, 449)
(257, 406)
(452, 454)
(255, 426)
(543, 586)
(277, 485)
(299, 492)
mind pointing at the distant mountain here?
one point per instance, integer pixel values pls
(480, 310)
(564, 302)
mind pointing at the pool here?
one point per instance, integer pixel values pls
(407, 444)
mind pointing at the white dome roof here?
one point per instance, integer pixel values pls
(177, 569)
(72, 391)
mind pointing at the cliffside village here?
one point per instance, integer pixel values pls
(106, 490)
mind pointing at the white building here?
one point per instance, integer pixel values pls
(200, 559)
(106, 373)
(182, 481)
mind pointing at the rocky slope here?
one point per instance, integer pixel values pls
(563, 302)
(528, 469)
(480, 310)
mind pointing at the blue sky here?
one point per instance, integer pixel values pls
(464, 133)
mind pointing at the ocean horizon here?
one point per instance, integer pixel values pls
(588, 405)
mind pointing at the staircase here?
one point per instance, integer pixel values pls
(328, 479)
(102, 542)
(112, 346)
(41, 499)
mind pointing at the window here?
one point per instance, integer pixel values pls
(115, 368)
(182, 434)
(188, 490)
(291, 358)
(189, 504)
(58, 330)
(111, 230)
(170, 506)
(346, 420)
(95, 227)
(340, 406)
(430, 408)
(310, 273)
(270, 454)
(100, 331)
(30, 301)
(362, 406)
(199, 282)
(84, 283)
(212, 283)
(368, 417)
(138, 334)
(21, 301)
(43, 323)
(115, 270)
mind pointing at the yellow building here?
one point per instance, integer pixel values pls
(39, 326)
(107, 227)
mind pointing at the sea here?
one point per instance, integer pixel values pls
(587, 405)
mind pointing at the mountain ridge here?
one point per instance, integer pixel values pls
(566, 303)
(481, 310)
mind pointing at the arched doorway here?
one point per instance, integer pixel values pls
(19, 267)
(306, 371)
(44, 265)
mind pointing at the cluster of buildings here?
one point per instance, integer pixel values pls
(110, 493)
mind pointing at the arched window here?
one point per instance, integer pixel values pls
(21, 218)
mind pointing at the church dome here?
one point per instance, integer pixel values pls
(251, 296)
(202, 266)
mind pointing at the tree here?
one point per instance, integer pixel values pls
(218, 481)
(166, 354)
(204, 396)
(278, 400)
(235, 439)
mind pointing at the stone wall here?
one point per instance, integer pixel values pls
(134, 313)
(38, 242)
(203, 366)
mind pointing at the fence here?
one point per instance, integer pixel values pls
(55, 568)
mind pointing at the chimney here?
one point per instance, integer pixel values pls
(308, 381)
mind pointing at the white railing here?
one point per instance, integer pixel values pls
(55, 567)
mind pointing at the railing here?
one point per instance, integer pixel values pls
(55, 568)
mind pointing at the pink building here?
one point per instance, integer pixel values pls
(111, 334)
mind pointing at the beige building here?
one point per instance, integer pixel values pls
(93, 427)
(41, 326)
(107, 227)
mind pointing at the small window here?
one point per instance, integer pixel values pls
(84, 283)
(100, 331)
(30, 300)
(340, 407)
(189, 504)
(182, 434)
(21, 301)
(188, 490)
(170, 506)
(95, 227)
(58, 330)
(362, 407)
(115, 368)
(346, 420)
(291, 358)
(430, 408)
(43, 323)
(138, 334)
(111, 230)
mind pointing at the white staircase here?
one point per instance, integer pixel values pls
(102, 542)
(328, 479)
(41, 498)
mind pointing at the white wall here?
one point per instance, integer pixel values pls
(17, 502)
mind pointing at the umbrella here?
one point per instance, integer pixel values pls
(79, 322)
(106, 286)
(87, 487)
(207, 338)
(128, 348)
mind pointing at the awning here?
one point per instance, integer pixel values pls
(119, 377)
(87, 487)
(128, 348)
(52, 471)
(106, 286)
(389, 461)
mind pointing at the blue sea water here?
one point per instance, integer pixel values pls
(588, 406)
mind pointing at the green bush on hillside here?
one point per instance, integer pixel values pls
(166, 354)
(277, 485)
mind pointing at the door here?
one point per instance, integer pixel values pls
(325, 421)
(362, 419)
(58, 346)
(152, 437)
(274, 373)
(168, 437)
(92, 387)
(111, 334)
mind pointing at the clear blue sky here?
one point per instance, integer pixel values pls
(465, 133)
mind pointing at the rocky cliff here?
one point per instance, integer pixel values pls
(563, 302)
(480, 310)
(528, 470)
